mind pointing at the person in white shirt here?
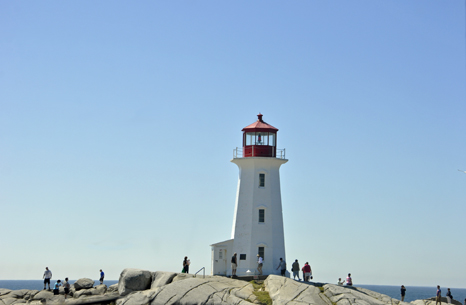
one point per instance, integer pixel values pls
(260, 261)
(47, 276)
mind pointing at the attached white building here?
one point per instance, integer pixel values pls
(258, 219)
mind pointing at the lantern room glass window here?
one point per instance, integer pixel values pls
(260, 138)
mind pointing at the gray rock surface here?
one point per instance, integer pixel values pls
(431, 301)
(288, 291)
(194, 290)
(284, 290)
(94, 299)
(133, 280)
(43, 295)
(161, 278)
(84, 283)
(140, 287)
(22, 294)
(113, 288)
(97, 290)
(4, 291)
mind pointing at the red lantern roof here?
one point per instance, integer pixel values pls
(260, 125)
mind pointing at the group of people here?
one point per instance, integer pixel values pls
(347, 282)
(306, 269)
(66, 285)
(438, 296)
(234, 264)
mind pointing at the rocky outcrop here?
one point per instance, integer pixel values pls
(84, 283)
(187, 289)
(113, 288)
(287, 291)
(160, 278)
(142, 287)
(133, 280)
(431, 301)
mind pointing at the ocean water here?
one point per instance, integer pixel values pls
(412, 292)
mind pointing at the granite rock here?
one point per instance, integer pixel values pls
(133, 280)
(161, 278)
(195, 290)
(84, 283)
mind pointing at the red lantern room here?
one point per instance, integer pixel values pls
(259, 139)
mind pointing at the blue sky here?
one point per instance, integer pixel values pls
(118, 121)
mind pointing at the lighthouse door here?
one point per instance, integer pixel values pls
(221, 261)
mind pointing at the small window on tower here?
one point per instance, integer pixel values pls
(261, 215)
(220, 255)
(261, 180)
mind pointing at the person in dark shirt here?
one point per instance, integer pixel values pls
(438, 297)
(234, 265)
(449, 296)
(403, 292)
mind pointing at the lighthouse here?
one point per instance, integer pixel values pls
(258, 219)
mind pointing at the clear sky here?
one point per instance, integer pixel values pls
(118, 121)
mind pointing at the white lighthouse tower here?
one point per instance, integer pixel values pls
(258, 219)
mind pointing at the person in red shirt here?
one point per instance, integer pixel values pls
(307, 272)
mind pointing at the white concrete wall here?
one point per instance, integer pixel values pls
(221, 263)
(247, 232)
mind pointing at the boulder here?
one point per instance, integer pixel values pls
(283, 290)
(161, 278)
(43, 295)
(97, 290)
(22, 294)
(138, 298)
(101, 289)
(8, 301)
(84, 283)
(113, 288)
(46, 297)
(83, 292)
(107, 298)
(133, 280)
(4, 291)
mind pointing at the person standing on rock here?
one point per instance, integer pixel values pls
(260, 262)
(234, 264)
(449, 296)
(56, 287)
(403, 292)
(438, 297)
(47, 276)
(102, 275)
(282, 266)
(186, 263)
(295, 269)
(66, 286)
(307, 272)
(349, 280)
